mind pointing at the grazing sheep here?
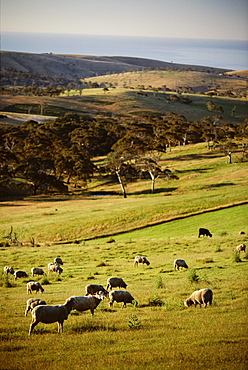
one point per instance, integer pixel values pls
(87, 302)
(20, 274)
(203, 296)
(120, 296)
(32, 303)
(94, 288)
(54, 267)
(37, 271)
(34, 285)
(58, 261)
(180, 263)
(241, 248)
(141, 259)
(49, 314)
(8, 270)
(204, 232)
(115, 282)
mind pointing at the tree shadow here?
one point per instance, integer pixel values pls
(156, 191)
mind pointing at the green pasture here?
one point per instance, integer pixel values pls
(159, 333)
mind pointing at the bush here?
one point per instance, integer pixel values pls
(134, 323)
(5, 283)
(236, 257)
(159, 283)
(155, 301)
(193, 277)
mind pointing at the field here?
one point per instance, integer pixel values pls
(98, 237)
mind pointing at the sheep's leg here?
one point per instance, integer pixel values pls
(60, 327)
(32, 325)
(92, 311)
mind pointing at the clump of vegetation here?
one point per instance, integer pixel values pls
(155, 301)
(44, 280)
(159, 283)
(218, 248)
(193, 276)
(5, 283)
(236, 256)
(101, 264)
(134, 322)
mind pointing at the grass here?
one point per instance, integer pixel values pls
(159, 332)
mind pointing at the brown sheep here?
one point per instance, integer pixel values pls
(115, 282)
(120, 296)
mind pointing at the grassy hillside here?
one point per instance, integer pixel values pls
(160, 332)
(118, 101)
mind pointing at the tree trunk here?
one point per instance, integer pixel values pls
(121, 183)
(153, 182)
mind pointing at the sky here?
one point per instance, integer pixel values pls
(207, 19)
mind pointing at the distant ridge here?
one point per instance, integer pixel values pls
(82, 66)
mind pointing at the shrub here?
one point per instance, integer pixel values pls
(193, 277)
(236, 257)
(5, 283)
(134, 323)
(155, 301)
(44, 280)
(218, 248)
(159, 283)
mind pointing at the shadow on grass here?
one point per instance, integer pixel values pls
(156, 191)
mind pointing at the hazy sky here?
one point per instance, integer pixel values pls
(214, 19)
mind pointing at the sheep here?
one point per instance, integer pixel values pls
(8, 270)
(94, 288)
(34, 285)
(88, 302)
(202, 296)
(204, 232)
(20, 274)
(58, 261)
(33, 302)
(120, 296)
(50, 314)
(241, 247)
(141, 259)
(37, 271)
(180, 263)
(54, 267)
(115, 282)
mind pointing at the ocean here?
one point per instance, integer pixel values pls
(229, 54)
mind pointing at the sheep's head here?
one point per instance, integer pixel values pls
(71, 303)
(100, 295)
(188, 302)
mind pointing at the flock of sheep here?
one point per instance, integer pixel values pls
(94, 294)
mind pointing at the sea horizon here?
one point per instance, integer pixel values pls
(227, 54)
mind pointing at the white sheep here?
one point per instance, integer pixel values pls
(141, 259)
(120, 296)
(115, 282)
(58, 261)
(37, 271)
(240, 248)
(34, 285)
(180, 263)
(202, 296)
(20, 274)
(94, 288)
(8, 270)
(33, 302)
(87, 302)
(50, 314)
(54, 267)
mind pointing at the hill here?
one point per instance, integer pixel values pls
(81, 66)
